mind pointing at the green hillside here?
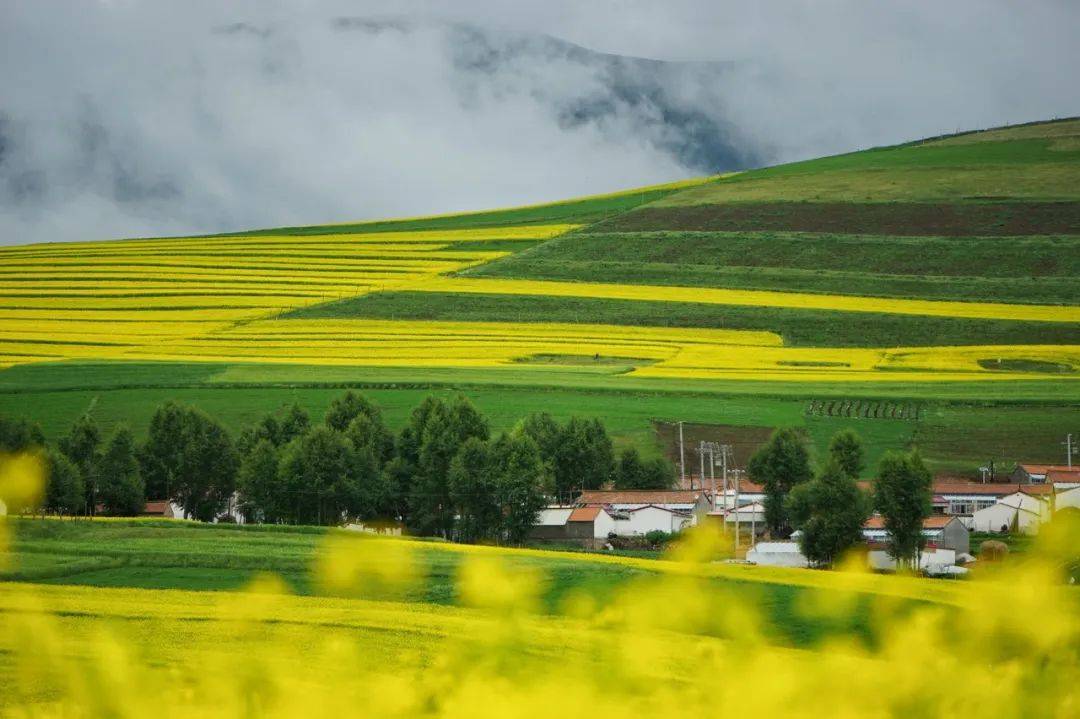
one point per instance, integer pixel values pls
(984, 217)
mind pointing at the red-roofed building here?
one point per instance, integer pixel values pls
(940, 531)
(1063, 479)
(1037, 473)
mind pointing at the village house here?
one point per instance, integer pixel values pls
(940, 532)
(777, 554)
(599, 514)
(750, 517)
(1022, 511)
(694, 503)
(1039, 473)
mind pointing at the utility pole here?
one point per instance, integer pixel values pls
(682, 458)
(736, 510)
(712, 471)
(701, 456)
(711, 448)
(1068, 449)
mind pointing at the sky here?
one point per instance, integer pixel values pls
(128, 118)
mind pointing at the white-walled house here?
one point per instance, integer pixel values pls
(777, 554)
(639, 521)
(941, 532)
(932, 560)
(1066, 497)
(590, 525)
(172, 510)
(693, 502)
(1019, 511)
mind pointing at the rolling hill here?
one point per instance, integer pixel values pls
(941, 274)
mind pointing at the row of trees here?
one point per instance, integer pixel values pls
(442, 474)
(829, 508)
(84, 471)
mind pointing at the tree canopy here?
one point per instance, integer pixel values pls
(779, 465)
(829, 511)
(903, 492)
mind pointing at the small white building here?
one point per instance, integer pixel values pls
(933, 560)
(1019, 511)
(589, 523)
(1066, 497)
(777, 554)
(639, 521)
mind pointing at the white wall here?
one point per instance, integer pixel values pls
(880, 559)
(776, 554)
(648, 519)
(603, 525)
(554, 516)
(991, 519)
(1067, 498)
(1027, 511)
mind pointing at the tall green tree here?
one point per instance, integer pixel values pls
(431, 509)
(829, 511)
(348, 407)
(544, 430)
(82, 445)
(903, 495)
(402, 470)
(263, 496)
(159, 457)
(659, 473)
(779, 465)
(630, 471)
(328, 481)
(201, 463)
(634, 473)
(466, 421)
(367, 432)
(473, 490)
(64, 491)
(121, 489)
(522, 477)
(17, 435)
(293, 424)
(846, 449)
(584, 458)
(445, 429)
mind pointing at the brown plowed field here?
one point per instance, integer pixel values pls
(885, 218)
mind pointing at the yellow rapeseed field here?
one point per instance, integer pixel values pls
(757, 298)
(672, 642)
(222, 299)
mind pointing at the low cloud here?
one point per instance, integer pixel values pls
(138, 118)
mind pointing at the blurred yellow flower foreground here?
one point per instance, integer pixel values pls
(673, 642)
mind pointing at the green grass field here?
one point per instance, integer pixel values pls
(957, 432)
(174, 555)
(1041, 269)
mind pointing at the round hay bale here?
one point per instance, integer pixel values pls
(993, 551)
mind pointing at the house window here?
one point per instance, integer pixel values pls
(961, 506)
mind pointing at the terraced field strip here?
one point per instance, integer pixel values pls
(100, 300)
(664, 352)
(760, 298)
(454, 344)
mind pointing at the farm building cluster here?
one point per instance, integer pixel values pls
(1021, 505)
